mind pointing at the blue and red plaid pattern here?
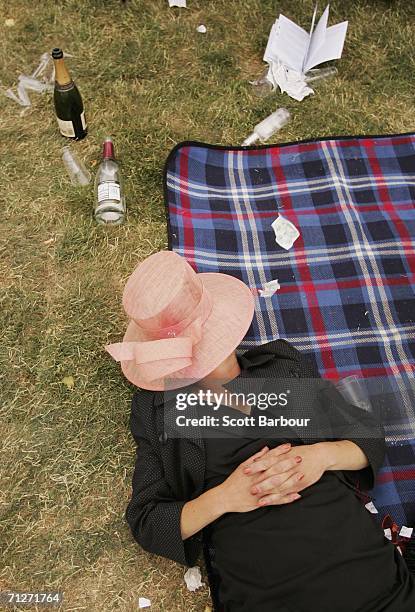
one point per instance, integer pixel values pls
(347, 285)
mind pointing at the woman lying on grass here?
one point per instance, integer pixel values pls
(282, 511)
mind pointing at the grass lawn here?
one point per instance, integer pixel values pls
(150, 80)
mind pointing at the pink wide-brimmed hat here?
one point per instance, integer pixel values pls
(183, 324)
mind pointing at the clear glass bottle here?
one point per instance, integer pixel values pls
(109, 193)
(76, 169)
(266, 128)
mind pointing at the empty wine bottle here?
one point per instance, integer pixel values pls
(109, 196)
(266, 128)
(68, 102)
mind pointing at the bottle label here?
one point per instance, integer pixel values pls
(66, 128)
(109, 191)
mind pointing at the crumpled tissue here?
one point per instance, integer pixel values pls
(285, 232)
(288, 80)
(269, 288)
(406, 532)
(193, 578)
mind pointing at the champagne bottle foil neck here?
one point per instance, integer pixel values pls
(108, 149)
(62, 76)
(65, 86)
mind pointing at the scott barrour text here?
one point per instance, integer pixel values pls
(243, 421)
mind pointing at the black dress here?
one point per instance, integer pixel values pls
(322, 553)
(308, 556)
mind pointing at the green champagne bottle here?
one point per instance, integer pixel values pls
(68, 102)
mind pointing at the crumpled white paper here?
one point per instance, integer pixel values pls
(372, 508)
(285, 232)
(291, 52)
(201, 29)
(388, 533)
(406, 532)
(193, 578)
(143, 602)
(178, 3)
(288, 80)
(269, 288)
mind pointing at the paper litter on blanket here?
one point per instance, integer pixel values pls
(269, 288)
(291, 51)
(371, 507)
(406, 532)
(285, 232)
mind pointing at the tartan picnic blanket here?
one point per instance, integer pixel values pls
(347, 285)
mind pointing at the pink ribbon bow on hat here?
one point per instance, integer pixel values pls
(159, 358)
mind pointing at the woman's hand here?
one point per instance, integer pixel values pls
(270, 484)
(236, 490)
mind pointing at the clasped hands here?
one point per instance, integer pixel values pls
(274, 476)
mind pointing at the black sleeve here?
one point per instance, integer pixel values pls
(153, 513)
(363, 427)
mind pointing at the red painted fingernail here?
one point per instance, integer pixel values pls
(298, 459)
(254, 491)
(247, 470)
